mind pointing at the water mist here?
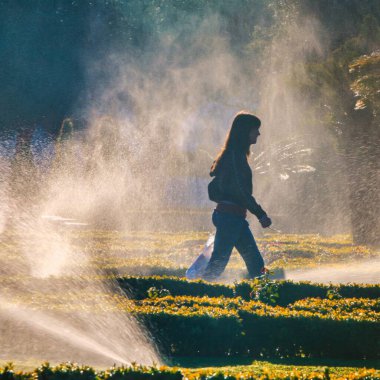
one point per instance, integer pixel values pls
(39, 256)
(154, 121)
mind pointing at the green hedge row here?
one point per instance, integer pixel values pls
(343, 305)
(289, 292)
(358, 309)
(137, 287)
(310, 336)
(263, 331)
(69, 371)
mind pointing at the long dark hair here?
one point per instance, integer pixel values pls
(238, 135)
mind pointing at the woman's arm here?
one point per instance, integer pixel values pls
(246, 199)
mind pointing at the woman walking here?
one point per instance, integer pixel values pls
(231, 189)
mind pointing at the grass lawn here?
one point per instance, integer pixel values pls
(163, 253)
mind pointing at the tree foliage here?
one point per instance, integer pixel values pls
(49, 49)
(341, 82)
(365, 71)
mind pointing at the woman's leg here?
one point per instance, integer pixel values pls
(228, 230)
(247, 247)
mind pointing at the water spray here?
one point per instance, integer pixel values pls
(275, 230)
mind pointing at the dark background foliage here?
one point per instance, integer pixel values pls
(49, 48)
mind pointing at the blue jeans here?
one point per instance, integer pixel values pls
(232, 231)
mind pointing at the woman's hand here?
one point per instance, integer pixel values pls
(265, 221)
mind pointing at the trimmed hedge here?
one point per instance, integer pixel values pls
(350, 306)
(289, 292)
(283, 336)
(356, 309)
(137, 287)
(292, 291)
(72, 371)
(69, 371)
(194, 335)
(219, 327)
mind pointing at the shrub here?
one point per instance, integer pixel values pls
(313, 336)
(134, 372)
(221, 326)
(153, 292)
(66, 371)
(137, 287)
(288, 291)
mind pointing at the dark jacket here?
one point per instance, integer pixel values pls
(233, 182)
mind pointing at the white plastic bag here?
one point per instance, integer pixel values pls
(198, 267)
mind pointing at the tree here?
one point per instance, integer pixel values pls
(343, 83)
(365, 174)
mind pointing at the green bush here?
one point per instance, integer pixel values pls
(289, 292)
(8, 373)
(194, 335)
(289, 336)
(370, 308)
(153, 293)
(200, 326)
(140, 373)
(137, 287)
(70, 371)
(66, 371)
(134, 372)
